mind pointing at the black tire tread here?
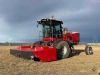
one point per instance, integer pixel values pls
(61, 43)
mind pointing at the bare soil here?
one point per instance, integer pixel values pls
(78, 64)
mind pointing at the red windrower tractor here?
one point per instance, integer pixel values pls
(57, 43)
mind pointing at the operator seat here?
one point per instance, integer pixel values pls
(65, 30)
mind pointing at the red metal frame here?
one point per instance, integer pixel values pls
(74, 37)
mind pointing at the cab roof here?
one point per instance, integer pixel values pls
(49, 21)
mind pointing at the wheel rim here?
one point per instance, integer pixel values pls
(64, 50)
(90, 50)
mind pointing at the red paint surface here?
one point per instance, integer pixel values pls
(70, 36)
(48, 39)
(24, 48)
(76, 36)
(45, 53)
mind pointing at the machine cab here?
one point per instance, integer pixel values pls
(51, 29)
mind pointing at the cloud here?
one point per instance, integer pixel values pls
(20, 16)
(16, 11)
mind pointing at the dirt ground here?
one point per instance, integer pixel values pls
(78, 64)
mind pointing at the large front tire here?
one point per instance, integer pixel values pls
(63, 50)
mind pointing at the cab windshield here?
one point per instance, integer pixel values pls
(54, 31)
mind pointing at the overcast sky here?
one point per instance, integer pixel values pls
(18, 18)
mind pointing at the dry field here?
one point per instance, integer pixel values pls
(78, 64)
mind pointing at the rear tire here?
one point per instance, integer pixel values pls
(88, 50)
(63, 50)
